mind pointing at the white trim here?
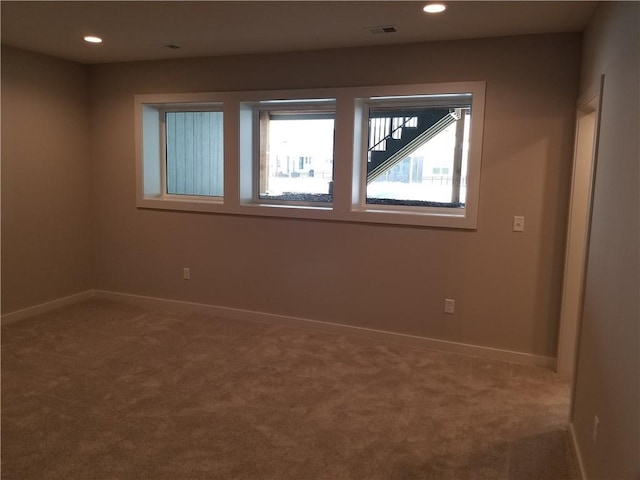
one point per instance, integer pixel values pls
(151, 188)
(239, 181)
(576, 451)
(45, 307)
(316, 325)
(286, 320)
(578, 228)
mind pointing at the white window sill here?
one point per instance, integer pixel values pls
(183, 203)
(410, 216)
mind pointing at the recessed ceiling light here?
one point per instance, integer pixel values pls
(92, 39)
(435, 7)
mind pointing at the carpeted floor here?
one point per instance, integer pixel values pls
(102, 390)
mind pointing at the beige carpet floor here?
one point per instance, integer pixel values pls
(102, 390)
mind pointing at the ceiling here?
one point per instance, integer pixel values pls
(142, 30)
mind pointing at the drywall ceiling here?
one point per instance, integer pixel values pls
(142, 30)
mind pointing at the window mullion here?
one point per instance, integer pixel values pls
(343, 165)
(263, 146)
(457, 157)
(163, 154)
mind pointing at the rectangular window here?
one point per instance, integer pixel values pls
(194, 153)
(413, 145)
(180, 149)
(395, 154)
(296, 150)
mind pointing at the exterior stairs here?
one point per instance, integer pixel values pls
(396, 133)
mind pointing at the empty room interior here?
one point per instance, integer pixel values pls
(320, 240)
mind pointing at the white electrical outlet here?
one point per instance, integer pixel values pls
(186, 273)
(449, 305)
(596, 422)
(518, 224)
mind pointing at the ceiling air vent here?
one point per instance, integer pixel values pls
(383, 29)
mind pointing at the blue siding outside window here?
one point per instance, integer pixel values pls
(194, 153)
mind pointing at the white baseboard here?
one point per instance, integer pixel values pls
(45, 307)
(298, 322)
(400, 338)
(576, 451)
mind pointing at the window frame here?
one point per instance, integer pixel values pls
(240, 182)
(297, 107)
(150, 146)
(472, 94)
(430, 101)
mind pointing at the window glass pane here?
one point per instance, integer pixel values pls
(194, 153)
(296, 161)
(417, 156)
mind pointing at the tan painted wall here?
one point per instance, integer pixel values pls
(506, 285)
(46, 234)
(608, 376)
